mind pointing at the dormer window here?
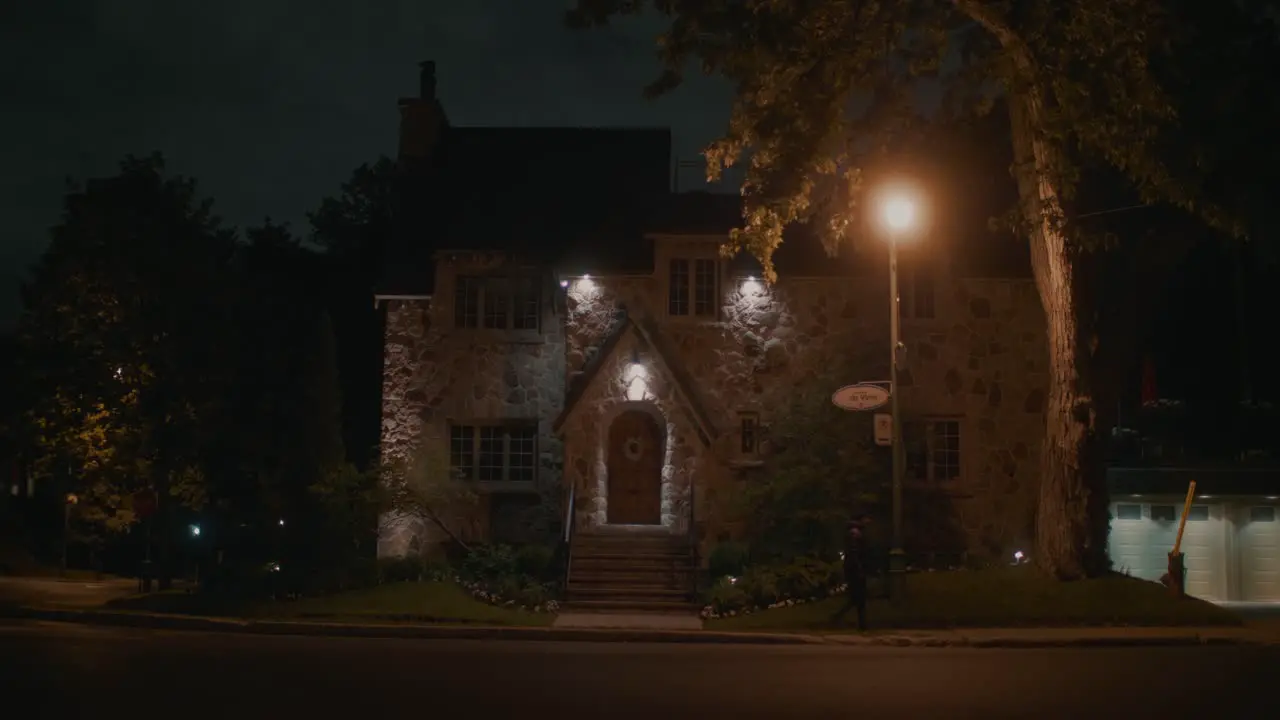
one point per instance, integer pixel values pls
(693, 287)
(496, 303)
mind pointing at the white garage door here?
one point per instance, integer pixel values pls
(1142, 536)
(1259, 543)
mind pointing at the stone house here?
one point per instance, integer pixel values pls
(606, 348)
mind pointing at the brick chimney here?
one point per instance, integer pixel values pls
(421, 118)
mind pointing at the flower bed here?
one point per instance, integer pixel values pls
(763, 587)
(709, 612)
(496, 575)
(484, 593)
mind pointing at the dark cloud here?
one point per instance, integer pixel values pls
(271, 103)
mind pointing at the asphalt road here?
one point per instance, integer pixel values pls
(73, 671)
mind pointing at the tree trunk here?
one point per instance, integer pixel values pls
(163, 567)
(1072, 521)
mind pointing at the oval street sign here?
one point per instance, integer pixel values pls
(862, 396)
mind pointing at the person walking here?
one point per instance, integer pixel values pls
(855, 571)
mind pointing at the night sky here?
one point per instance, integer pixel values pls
(271, 103)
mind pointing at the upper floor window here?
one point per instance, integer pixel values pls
(496, 303)
(693, 288)
(933, 449)
(917, 292)
(504, 452)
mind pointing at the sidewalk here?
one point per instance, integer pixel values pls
(970, 638)
(79, 591)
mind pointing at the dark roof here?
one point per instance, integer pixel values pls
(537, 192)
(588, 200)
(696, 213)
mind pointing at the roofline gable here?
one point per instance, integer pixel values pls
(648, 336)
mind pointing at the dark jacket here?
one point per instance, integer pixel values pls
(855, 552)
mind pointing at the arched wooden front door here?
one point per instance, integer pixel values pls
(635, 469)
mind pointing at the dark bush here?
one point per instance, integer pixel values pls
(759, 585)
(764, 585)
(413, 568)
(728, 558)
(724, 596)
(823, 467)
(807, 577)
(536, 561)
(489, 562)
(400, 569)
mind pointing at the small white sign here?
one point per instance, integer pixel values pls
(884, 428)
(862, 396)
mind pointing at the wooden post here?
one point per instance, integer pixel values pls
(1186, 508)
(1177, 576)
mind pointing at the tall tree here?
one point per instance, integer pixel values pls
(122, 345)
(289, 399)
(825, 90)
(356, 224)
(354, 229)
(298, 485)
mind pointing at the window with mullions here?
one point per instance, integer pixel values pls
(933, 449)
(693, 287)
(505, 452)
(496, 303)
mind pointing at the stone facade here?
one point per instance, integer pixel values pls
(609, 345)
(435, 374)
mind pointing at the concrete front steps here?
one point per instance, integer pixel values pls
(630, 572)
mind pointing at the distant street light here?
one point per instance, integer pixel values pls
(195, 531)
(899, 212)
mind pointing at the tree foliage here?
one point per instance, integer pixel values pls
(825, 106)
(824, 91)
(159, 352)
(822, 468)
(354, 230)
(120, 341)
(356, 224)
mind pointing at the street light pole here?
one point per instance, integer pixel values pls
(897, 557)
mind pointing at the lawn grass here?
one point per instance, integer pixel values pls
(1006, 597)
(426, 602)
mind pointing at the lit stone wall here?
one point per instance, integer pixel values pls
(434, 374)
(980, 360)
(630, 378)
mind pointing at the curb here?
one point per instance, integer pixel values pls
(420, 632)
(959, 640)
(953, 639)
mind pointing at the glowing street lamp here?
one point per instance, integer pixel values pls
(898, 211)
